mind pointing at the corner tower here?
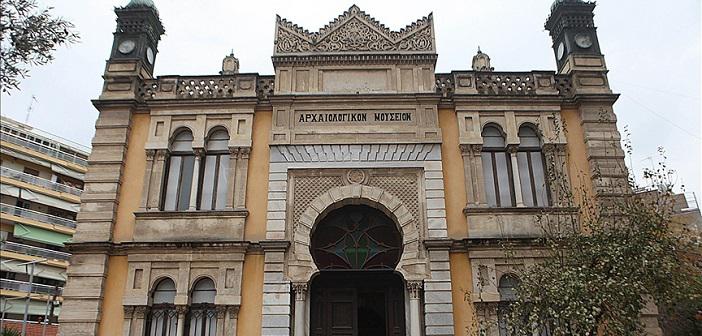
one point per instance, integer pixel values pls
(574, 36)
(134, 47)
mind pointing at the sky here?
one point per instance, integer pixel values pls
(651, 47)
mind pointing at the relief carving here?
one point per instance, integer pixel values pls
(354, 31)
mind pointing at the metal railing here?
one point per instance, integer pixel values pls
(43, 149)
(33, 251)
(38, 181)
(23, 286)
(36, 215)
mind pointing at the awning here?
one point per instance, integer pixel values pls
(40, 235)
(37, 197)
(65, 171)
(24, 157)
(16, 306)
(44, 271)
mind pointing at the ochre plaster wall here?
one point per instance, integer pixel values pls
(257, 184)
(132, 178)
(454, 176)
(455, 194)
(578, 166)
(249, 323)
(112, 311)
(461, 285)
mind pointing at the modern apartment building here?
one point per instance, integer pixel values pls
(41, 182)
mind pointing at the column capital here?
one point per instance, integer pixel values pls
(470, 149)
(150, 154)
(128, 312)
(140, 311)
(233, 311)
(414, 287)
(512, 148)
(300, 289)
(221, 311)
(161, 154)
(181, 309)
(199, 152)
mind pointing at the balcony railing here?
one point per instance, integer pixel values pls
(38, 181)
(36, 215)
(43, 149)
(34, 251)
(22, 286)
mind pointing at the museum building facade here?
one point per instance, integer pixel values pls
(354, 192)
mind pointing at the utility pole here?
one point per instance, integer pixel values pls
(29, 292)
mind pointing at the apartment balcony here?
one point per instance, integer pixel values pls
(25, 287)
(36, 216)
(44, 149)
(34, 251)
(38, 181)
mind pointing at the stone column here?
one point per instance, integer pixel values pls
(196, 176)
(231, 320)
(241, 177)
(180, 327)
(138, 320)
(414, 288)
(512, 150)
(150, 154)
(221, 313)
(473, 170)
(231, 177)
(127, 322)
(153, 200)
(300, 289)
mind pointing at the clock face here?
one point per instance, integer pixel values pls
(150, 55)
(583, 40)
(126, 46)
(560, 52)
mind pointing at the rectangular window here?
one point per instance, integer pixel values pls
(213, 195)
(532, 178)
(498, 179)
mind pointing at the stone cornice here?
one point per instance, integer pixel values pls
(123, 248)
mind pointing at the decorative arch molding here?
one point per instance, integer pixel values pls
(302, 267)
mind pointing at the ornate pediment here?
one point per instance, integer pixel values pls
(355, 32)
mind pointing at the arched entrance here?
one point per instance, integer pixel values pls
(357, 292)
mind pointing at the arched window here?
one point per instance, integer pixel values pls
(530, 161)
(507, 289)
(497, 169)
(180, 172)
(163, 318)
(213, 195)
(202, 317)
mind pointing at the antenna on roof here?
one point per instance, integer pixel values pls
(29, 109)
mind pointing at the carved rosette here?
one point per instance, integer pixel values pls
(414, 287)
(300, 289)
(356, 176)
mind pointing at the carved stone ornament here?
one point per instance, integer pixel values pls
(356, 176)
(221, 311)
(150, 154)
(230, 65)
(481, 62)
(300, 289)
(128, 312)
(140, 311)
(414, 287)
(354, 31)
(233, 311)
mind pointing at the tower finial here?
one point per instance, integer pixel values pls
(481, 62)
(230, 65)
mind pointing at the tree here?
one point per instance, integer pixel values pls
(602, 267)
(29, 37)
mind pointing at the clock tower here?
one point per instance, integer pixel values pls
(134, 47)
(574, 36)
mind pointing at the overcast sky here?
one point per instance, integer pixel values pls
(652, 49)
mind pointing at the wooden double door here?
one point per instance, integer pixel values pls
(361, 303)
